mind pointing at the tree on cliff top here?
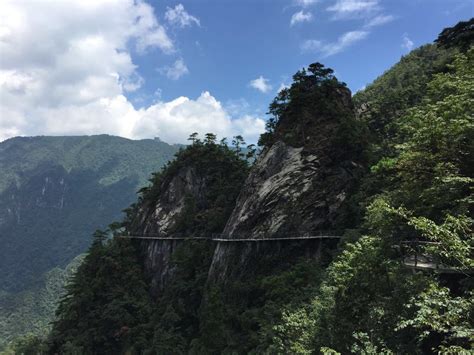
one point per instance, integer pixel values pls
(461, 35)
(315, 112)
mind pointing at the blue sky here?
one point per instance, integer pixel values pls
(238, 41)
(142, 69)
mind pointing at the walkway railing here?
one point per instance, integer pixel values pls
(416, 256)
(239, 237)
(413, 251)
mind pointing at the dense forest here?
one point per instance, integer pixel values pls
(409, 136)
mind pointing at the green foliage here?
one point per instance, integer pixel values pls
(316, 112)
(32, 311)
(363, 293)
(439, 314)
(106, 302)
(114, 313)
(176, 317)
(223, 171)
(400, 88)
(461, 35)
(242, 317)
(421, 187)
(27, 345)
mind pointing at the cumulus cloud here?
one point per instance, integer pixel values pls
(407, 43)
(68, 70)
(328, 49)
(343, 9)
(300, 16)
(175, 71)
(261, 84)
(179, 17)
(173, 121)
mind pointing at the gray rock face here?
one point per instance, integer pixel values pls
(289, 192)
(171, 202)
(161, 219)
(158, 266)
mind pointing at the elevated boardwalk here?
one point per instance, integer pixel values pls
(239, 239)
(414, 255)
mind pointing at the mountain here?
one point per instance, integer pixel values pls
(54, 192)
(350, 233)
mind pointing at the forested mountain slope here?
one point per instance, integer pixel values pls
(410, 182)
(54, 192)
(147, 295)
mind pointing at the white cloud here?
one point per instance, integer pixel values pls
(261, 84)
(67, 70)
(179, 17)
(176, 71)
(305, 3)
(237, 107)
(300, 16)
(368, 10)
(132, 83)
(328, 49)
(173, 121)
(407, 43)
(379, 20)
(344, 9)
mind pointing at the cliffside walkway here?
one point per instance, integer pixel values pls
(414, 255)
(238, 238)
(417, 258)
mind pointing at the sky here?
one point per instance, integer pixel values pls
(160, 68)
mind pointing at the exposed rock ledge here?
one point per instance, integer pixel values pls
(161, 219)
(290, 191)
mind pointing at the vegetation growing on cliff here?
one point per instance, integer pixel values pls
(369, 302)
(116, 312)
(223, 169)
(366, 301)
(316, 112)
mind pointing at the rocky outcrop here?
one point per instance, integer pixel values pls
(158, 266)
(292, 190)
(161, 219)
(289, 192)
(298, 187)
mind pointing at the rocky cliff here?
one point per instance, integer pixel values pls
(162, 218)
(288, 193)
(298, 186)
(192, 197)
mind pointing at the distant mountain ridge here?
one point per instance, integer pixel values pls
(54, 192)
(95, 153)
